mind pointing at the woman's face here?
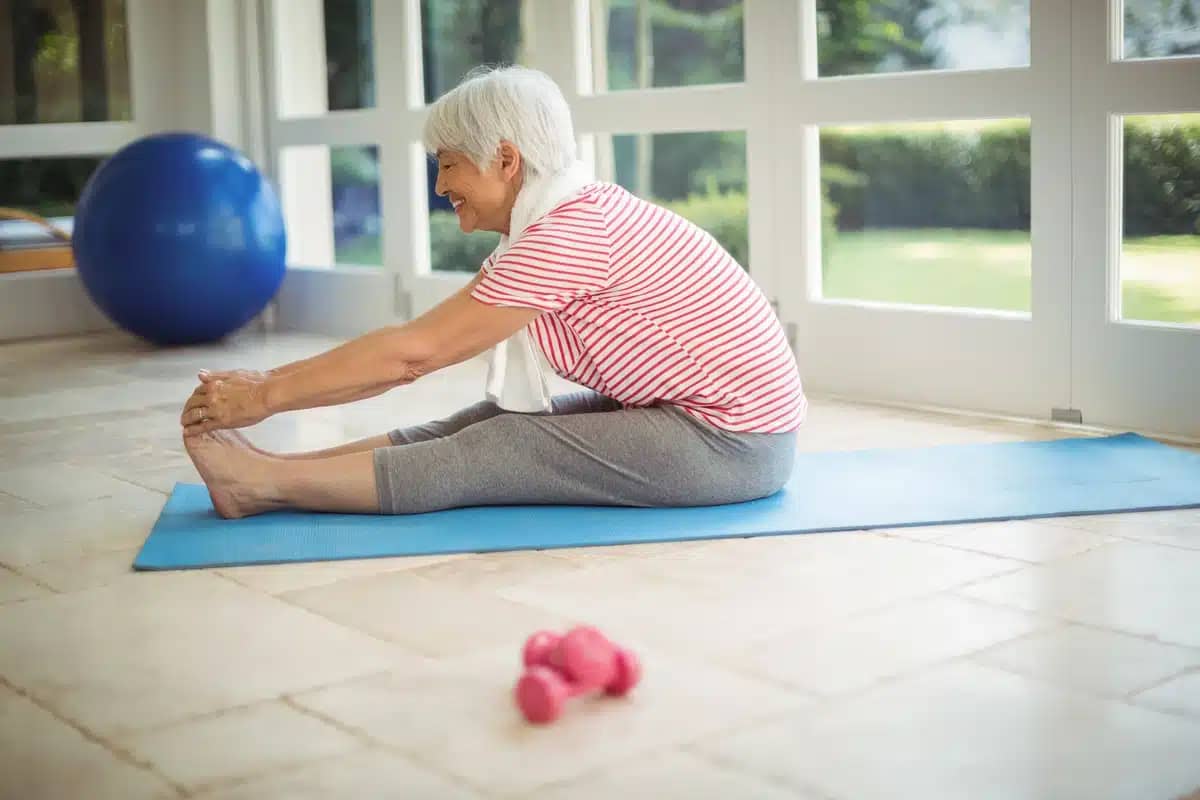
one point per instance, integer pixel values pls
(482, 199)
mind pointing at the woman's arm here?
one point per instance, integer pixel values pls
(303, 363)
(455, 330)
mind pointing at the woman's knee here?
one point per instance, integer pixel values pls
(764, 473)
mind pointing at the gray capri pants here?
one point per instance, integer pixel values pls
(586, 451)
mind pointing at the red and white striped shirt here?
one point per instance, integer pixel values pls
(647, 308)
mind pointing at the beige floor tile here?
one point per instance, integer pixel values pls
(1180, 695)
(76, 530)
(673, 775)
(283, 578)
(56, 485)
(123, 399)
(724, 596)
(460, 717)
(163, 647)
(1148, 590)
(146, 458)
(42, 758)
(922, 533)
(964, 730)
(853, 653)
(367, 774)
(15, 587)
(94, 445)
(90, 571)
(11, 505)
(237, 744)
(163, 479)
(16, 384)
(1095, 660)
(1027, 540)
(592, 556)
(1180, 528)
(397, 605)
(489, 571)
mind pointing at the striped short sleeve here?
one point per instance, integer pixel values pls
(560, 258)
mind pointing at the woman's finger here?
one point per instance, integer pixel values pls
(196, 430)
(193, 402)
(197, 426)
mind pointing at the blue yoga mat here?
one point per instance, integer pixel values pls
(831, 491)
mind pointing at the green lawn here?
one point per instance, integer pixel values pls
(974, 269)
(991, 269)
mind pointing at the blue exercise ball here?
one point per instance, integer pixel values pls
(179, 239)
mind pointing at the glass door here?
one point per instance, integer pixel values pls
(922, 198)
(1136, 143)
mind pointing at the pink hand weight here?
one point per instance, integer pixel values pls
(558, 668)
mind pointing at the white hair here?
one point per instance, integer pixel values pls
(517, 104)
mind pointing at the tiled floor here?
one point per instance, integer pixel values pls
(1046, 659)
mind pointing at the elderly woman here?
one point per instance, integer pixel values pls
(696, 397)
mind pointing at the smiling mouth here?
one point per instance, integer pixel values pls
(456, 204)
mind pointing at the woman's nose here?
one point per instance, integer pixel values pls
(438, 188)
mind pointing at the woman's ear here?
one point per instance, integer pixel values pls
(510, 160)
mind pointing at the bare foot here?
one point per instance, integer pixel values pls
(241, 439)
(239, 480)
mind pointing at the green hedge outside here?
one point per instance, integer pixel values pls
(894, 177)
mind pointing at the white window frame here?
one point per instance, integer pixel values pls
(1034, 365)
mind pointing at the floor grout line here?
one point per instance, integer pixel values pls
(1192, 670)
(375, 742)
(809, 789)
(119, 753)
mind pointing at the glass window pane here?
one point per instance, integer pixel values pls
(1162, 28)
(1160, 252)
(47, 187)
(857, 38)
(927, 214)
(639, 44)
(458, 35)
(63, 61)
(325, 56)
(331, 205)
(700, 176)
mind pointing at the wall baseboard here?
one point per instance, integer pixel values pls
(335, 303)
(47, 303)
(340, 302)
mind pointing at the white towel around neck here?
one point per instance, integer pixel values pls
(516, 378)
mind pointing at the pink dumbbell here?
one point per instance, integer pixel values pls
(558, 668)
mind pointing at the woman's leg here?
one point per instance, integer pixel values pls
(656, 456)
(360, 446)
(243, 480)
(636, 457)
(578, 403)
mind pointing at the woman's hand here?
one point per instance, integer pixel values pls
(233, 399)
